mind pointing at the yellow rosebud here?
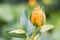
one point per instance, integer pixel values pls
(37, 16)
(32, 2)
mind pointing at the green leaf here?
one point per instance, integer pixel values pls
(46, 28)
(18, 33)
(37, 37)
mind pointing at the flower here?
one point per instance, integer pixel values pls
(32, 2)
(37, 16)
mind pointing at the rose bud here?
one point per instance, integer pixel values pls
(37, 17)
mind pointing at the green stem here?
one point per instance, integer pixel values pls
(34, 33)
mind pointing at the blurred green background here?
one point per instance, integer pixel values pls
(15, 14)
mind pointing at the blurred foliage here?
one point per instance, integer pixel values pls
(15, 14)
